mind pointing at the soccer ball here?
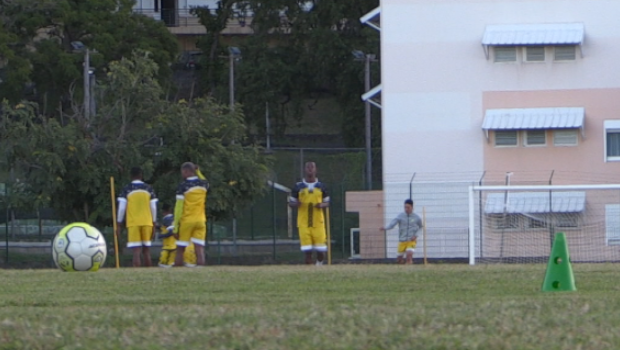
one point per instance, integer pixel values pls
(79, 247)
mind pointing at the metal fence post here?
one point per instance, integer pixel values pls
(273, 191)
(342, 207)
(6, 224)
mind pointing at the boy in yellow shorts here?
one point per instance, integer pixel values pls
(190, 219)
(137, 208)
(169, 243)
(408, 226)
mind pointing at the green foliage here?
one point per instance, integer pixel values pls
(296, 53)
(39, 33)
(67, 161)
(211, 136)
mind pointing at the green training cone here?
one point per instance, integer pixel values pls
(559, 276)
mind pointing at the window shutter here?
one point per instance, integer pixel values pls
(505, 53)
(535, 53)
(565, 137)
(565, 53)
(505, 138)
(536, 137)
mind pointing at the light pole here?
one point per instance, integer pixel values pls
(88, 75)
(233, 54)
(367, 58)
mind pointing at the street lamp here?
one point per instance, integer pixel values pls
(89, 79)
(367, 58)
(233, 54)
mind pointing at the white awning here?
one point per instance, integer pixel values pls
(534, 34)
(372, 19)
(534, 118)
(535, 202)
(373, 96)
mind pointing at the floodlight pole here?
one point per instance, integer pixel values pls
(87, 85)
(368, 125)
(231, 80)
(231, 89)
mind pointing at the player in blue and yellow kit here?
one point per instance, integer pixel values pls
(310, 197)
(190, 220)
(169, 243)
(138, 203)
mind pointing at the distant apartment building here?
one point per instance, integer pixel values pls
(176, 14)
(480, 91)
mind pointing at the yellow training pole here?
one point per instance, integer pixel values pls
(424, 233)
(114, 220)
(329, 239)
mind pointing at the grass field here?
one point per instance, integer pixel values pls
(297, 307)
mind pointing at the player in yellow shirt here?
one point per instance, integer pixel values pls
(137, 207)
(310, 197)
(169, 243)
(190, 220)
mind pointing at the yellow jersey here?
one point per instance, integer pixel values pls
(165, 233)
(193, 193)
(139, 201)
(308, 195)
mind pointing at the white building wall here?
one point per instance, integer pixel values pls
(434, 71)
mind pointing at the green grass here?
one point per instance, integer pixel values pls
(298, 307)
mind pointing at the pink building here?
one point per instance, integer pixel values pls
(473, 90)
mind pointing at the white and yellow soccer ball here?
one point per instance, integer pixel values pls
(79, 247)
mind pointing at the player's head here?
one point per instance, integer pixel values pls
(408, 206)
(188, 169)
(310, 170)
(165, 208)
(136, 173)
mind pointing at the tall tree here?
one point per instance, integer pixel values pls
(40, 34)
(300, 50)
(66, 161)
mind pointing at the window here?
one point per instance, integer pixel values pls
(612, 224)
(613, 144)
(537, 223)
(565, 137)
(535, 137)
(506, 138)
(502, 222)
(535, 53)
(612, 140)
(505, 53)
(568, 220)
(564, 53)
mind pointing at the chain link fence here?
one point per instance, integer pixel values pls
(264, 233)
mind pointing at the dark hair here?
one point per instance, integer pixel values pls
(165, 207)
(409, 201)
(188, 166)
(136, 172)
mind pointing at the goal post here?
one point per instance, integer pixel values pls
(517, 223)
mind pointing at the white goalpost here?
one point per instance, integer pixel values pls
(517, 224)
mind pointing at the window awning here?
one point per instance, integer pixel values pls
(534, 118)
(535, 202)
(373, 96)
(533, 34)
(372, 19)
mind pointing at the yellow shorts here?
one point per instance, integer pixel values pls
(139, 236)
(167, 256)
(195, 232)
(406, 247)
(312, 238)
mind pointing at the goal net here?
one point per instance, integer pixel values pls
(517, 224)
